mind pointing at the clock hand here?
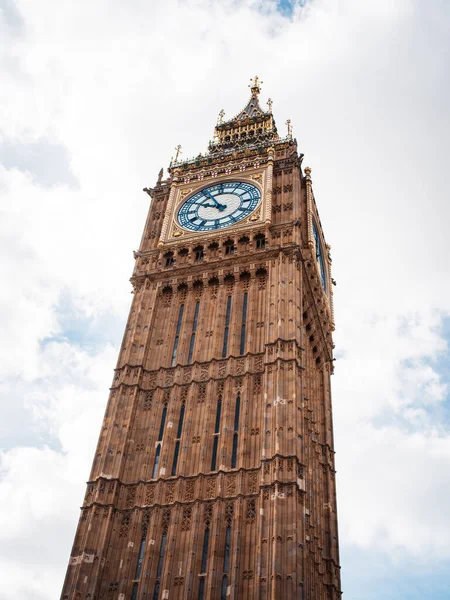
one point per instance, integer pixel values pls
(219, 207)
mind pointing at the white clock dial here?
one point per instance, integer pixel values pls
(219, 205)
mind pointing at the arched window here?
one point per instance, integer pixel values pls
(213, 247)
(198, 252)
(169, 260)
(243, 242)
(260, 241)
(183, 253)
(229, 247)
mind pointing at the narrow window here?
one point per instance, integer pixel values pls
(139, 567)
(174, 352)
(177, 335)
(140, 558)
(236, 432)
(160, 565)
(194, 329)
(201, 589)
(180, 422)
(244, 322)
(216, 434)
(175, 457)
(227, 327)
(178, 441)
(161, 555)
(191, 348)
(163, 422)
(156, 592)
(226, 558)
(234, 452)
(162, 549)
(218, 411)
(223, 593)
(199, 254)
(214, 454)
(226, 563)
(237, 412)
(155, 466)
(205, 550)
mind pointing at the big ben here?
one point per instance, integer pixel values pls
(214, 477)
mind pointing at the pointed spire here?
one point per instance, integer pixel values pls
(250, 127)
(160, 175)
(253, 108)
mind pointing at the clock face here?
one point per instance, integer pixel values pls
(319, 257)
(219, 205)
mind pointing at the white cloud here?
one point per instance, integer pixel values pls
(117, 86)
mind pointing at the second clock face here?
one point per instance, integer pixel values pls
(219, 206)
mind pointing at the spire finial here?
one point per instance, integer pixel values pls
(289, 128)
(269, 104)
(255, 86)
(220, 117)
(178, 150)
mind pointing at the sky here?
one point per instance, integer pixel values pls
(94, 97)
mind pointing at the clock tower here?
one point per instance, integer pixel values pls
(214, 473)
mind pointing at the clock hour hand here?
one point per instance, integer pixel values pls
(220, 207)
(217, 204)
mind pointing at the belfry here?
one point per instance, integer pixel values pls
(214, 477)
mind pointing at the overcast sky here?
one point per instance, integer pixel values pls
(94, 96)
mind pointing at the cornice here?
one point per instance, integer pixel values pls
(176, 383)
(202, 269)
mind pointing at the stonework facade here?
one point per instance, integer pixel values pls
(214, 472)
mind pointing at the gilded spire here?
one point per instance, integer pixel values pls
(251, 127)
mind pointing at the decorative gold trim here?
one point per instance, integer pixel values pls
(176, 232)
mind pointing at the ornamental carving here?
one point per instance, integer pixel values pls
(170, 493)
(186, 520)
(250, 513)
(231, 486)
(189, 491)
(210, 488)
